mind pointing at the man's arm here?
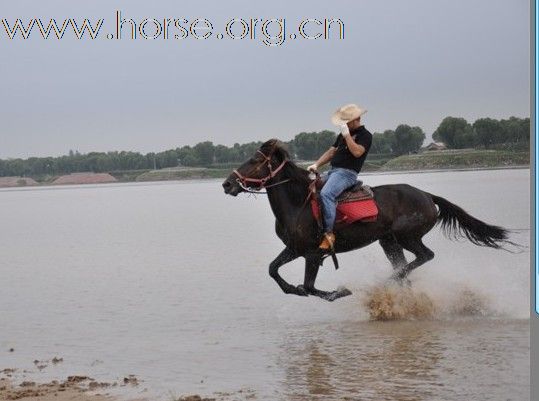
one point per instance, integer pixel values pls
(325, 158)
(356, 149)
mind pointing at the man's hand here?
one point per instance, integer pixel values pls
(325, 158)
(345, 130)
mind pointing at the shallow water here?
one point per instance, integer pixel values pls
(169, 281)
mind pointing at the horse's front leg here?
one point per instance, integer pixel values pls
(287, 255)
(312, 264)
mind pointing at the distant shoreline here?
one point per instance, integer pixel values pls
(425, 162)
(446, 170)
(226, 172)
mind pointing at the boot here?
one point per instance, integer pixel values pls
(327, 242)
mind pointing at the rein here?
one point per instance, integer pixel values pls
(258, 191)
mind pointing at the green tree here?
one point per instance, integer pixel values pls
(516, 130)
(488, 131)
(407, 139)
(187, 156)
(382, 142)
(305, 145)
(223, 154)
(455, 133)
(310, 145)
(168, 158)
(204, 152)
(246, 150)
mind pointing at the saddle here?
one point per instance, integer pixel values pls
(356, 193)
(354, 204)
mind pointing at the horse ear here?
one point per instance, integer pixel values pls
(281, 151)
(275, 147)
(269, 144)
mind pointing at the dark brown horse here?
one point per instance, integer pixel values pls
(406, 214)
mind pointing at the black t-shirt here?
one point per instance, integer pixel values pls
(344, 158)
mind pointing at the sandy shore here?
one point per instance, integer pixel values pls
(83, 388)
(72, 389)
(14, 386)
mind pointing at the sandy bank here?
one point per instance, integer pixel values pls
(84, 388)
(72, 389)
(8, 182)
(84, 178)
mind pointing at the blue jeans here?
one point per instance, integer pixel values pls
(336, 181)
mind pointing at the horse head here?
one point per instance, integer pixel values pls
(258, 170)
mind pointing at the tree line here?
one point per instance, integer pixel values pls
(454, 132)
(457, 133)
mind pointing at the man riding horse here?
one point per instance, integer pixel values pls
(405, 214)
(347, 156)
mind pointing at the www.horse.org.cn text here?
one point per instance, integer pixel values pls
(268, 31)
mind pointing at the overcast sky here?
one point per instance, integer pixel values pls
(413, 61)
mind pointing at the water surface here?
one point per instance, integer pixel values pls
(169, 281)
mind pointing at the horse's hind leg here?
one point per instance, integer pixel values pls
(421, 252)
(393, 251)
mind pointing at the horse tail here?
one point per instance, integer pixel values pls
(457, 224)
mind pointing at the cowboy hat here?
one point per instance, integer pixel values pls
(347, 113)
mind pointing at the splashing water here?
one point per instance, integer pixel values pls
(470, 303)
(394, 302)
(398, 303)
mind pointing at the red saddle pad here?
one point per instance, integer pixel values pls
(350, 212)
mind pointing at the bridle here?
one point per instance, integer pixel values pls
(244, 181)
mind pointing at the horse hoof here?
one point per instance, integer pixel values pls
(344, 291)
(402, 281)
(301, 291)
(339, 293)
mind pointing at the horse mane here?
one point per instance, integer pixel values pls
(299, 177)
